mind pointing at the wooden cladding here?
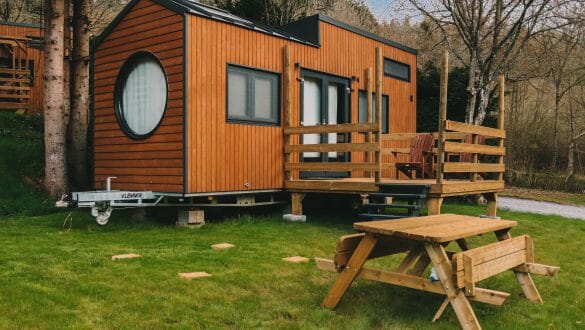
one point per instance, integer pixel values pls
(237, 156)
(155, 163)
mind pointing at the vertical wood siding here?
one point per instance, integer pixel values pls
(36, 55)
(155, 163)
(233, 157)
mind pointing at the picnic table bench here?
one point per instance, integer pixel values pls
(424, 240)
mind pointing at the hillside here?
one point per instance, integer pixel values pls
(21, 165)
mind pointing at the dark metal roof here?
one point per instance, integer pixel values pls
(23, 24)
(304, 31)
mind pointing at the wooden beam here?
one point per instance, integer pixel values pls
(338, 128)
(472, 167)
(442, 112)
(287, 106)
(330, 147)
(524, 279)
(297, 203)
(415, 282)
(501, 118)
(379, 75)
(467, 187)
(331, 166)
(474, 129)
(538, 269)
(457, 147)
(330, 186)
(370, 91)
(13, 105)
(349, 273)
(458, 300)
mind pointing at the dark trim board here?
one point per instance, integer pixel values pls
(185, 104)
(22, 24)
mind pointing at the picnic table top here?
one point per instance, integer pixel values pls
(435, 228)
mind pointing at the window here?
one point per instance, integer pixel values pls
(363, 110)
(396, 70)
(140, 95)
(252, 95)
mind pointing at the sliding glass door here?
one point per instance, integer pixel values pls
(324, 101)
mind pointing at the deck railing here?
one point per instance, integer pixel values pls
(295, 165)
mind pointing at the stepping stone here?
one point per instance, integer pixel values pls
(125, 256)
(194, 275)
(222, 246)
(296, 259)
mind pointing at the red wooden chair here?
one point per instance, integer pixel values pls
(420, 157)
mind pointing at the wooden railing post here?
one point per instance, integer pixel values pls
(442, 114)
(379, 74)
(369, 87)
(474, 157)
(288, 158)
(501, 119)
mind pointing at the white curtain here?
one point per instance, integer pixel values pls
(144, 96)
(311, 112)
(332, 112)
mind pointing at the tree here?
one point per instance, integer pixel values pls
(274, 12)
(493, 34)
(55, 179)
(80, 94)
(563, 66)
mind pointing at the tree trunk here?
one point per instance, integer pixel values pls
(555, 153)
(55, 180)
(570, 165)
(80, 94)
(471, 91)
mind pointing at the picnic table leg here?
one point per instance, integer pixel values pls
(351, 271)
(524, 279)
(459, 302)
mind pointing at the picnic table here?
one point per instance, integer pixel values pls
(424, 240)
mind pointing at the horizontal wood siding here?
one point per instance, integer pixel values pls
(36, 55)
(155, 163)
(233, 157)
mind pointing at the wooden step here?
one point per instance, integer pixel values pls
(14, 105)
(372, 216)
(400, 196)
(391, 206)
(14, 88)
(14, 71)
(14, 96)
(15, 80)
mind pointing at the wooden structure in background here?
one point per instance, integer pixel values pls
(21, 65)
(425, 239)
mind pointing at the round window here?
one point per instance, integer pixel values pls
(140, 95)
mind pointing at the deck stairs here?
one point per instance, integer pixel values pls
(395, 201)
(15, 74)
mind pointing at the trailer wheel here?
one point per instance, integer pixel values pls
(102, 213)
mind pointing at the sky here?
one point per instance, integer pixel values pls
(385, 10)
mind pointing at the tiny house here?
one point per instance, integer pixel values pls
(188, 100)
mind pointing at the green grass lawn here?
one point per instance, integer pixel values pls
(51, 277)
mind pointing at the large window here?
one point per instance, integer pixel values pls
(140, 95)
(363, 110)
(252, 95)
(396, 69)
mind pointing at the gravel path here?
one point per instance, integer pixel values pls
(528, 206)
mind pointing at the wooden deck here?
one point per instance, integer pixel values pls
(368, 185)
